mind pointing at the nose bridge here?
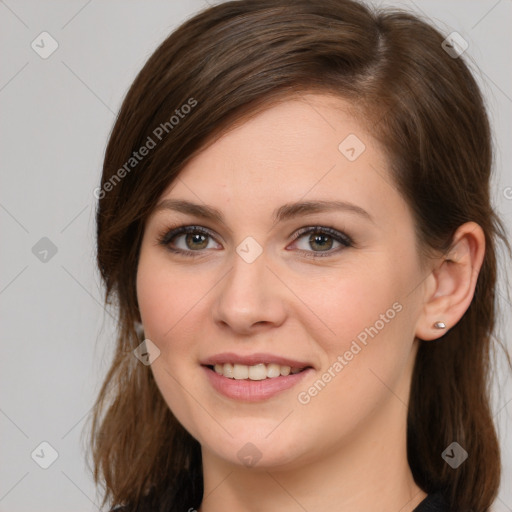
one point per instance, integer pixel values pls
(250, 293)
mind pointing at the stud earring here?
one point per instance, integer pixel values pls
(440, 325)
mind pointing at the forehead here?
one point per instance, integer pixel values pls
(306, 147)
(303, 130)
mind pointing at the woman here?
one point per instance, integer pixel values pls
(294, 221)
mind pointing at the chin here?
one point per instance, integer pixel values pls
(257, 449)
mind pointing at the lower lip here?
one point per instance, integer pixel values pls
(253, 390)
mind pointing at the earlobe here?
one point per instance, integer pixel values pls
(454, 279)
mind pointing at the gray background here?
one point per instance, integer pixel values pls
(56, 115)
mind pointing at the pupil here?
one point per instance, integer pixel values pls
(320, 241)
(191, 240)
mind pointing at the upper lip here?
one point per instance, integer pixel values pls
(253, 359)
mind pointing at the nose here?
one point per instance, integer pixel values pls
(250, 298)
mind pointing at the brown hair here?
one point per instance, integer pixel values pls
(235, 59)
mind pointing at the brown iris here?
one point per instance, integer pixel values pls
(322, 241)
(196, 239)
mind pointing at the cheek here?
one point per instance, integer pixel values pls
(367, 299)
(163, 296)
(151, 296)
(168, 306)
(369, 351)
(370, 316)
(173, 303)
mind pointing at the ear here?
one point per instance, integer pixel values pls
(451, 285)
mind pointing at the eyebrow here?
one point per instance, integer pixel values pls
(285, 212)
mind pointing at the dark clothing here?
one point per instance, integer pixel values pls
(432, 503)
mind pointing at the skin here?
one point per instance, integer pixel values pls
(346, 448)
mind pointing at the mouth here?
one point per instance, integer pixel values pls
(253, 378)
(260, 371)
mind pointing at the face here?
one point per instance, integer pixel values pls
(278, 278)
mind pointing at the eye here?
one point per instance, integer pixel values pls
(323, 240)
(188, 239)
(313, 241)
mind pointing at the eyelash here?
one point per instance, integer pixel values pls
(171, 232)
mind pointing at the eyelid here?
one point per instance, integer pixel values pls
(335, 233)
(172, 231)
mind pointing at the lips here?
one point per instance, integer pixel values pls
(254, 377)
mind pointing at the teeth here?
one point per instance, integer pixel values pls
(257, 372)
(240, 371)
(273, 370)
(228, 370)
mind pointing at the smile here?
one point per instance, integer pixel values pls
(256, 372)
